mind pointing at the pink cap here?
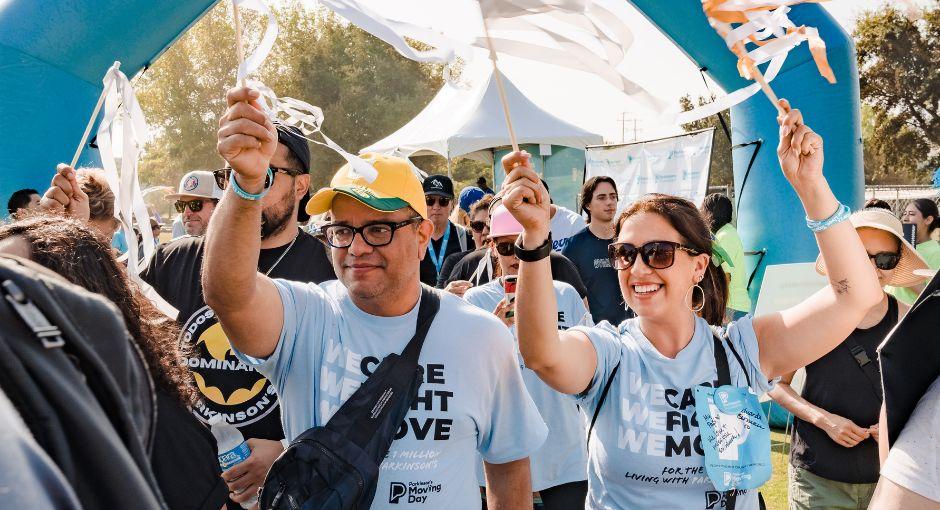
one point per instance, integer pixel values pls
(503, 224)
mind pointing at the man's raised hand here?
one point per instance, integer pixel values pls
(247, 138)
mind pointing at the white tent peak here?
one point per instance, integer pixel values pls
(468, 121)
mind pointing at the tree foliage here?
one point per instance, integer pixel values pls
(366, 90)
(899, 67)
(722, 173)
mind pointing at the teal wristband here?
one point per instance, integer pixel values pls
(251, 196)
(841, 214)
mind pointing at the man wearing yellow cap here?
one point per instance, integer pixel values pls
(319, 342)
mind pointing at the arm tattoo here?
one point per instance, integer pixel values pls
(842, 286)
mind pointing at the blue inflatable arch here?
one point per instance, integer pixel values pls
(53, 54)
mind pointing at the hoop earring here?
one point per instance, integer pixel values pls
(692, 291)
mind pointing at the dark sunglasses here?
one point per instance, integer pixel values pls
(655, 254)
(443, 201)
(478, 226)
(886, 260)
(222, 176)
(505, 248)
(193, 205)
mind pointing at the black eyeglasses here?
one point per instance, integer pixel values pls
(505, 248)
(378, 233)
(193, 205)
(443, 201)
(478, 226)
(655, 254)
(222, 176)
(886, 260)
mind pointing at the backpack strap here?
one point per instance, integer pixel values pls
(430, 304)
(724, 379)
(600, 401)
(867, 365)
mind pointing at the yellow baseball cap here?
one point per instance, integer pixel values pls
(396, 187)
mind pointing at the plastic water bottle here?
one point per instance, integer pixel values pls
(232, 448)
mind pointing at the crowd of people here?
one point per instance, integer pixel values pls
(561, 365)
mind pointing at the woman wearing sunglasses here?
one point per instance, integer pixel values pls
(559, 467)
(834, 453)
(645, 450)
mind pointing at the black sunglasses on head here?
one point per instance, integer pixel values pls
(886, 260)
(222, 176)
(655, 254)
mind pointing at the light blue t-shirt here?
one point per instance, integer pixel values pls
(645, 451)
(472, 400)
(563, 457)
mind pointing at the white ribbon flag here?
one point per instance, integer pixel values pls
(123, 121)
(579, 34)
(585, 35)
(294, 112)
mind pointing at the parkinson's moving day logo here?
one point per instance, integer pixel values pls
(227, 384)
(412, 492)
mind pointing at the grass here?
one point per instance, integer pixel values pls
(775, 490)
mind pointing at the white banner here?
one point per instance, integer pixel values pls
(675, 166)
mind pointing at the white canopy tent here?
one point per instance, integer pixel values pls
(467, 120)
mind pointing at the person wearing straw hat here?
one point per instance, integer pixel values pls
(318, 343)
(559, 468)
(834, 453)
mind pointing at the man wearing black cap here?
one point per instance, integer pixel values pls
(447, 238)
(228, 386)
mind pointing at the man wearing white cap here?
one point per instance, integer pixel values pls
(195, 201)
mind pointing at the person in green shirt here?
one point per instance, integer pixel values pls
(922, 213)
(718, 210)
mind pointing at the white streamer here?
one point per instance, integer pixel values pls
(124, 120)
(253, 62)
(308, 119)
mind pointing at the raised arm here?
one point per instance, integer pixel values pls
(565, 361)
(802, 334)
(245, 301)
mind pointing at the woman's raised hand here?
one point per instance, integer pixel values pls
(525, 197)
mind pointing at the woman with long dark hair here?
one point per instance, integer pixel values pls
(646, 450)
(923, 214)
(184, 452)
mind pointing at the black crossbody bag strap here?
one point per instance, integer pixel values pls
(724, 379)
(600, 401)
(868, 366)
(430, 304)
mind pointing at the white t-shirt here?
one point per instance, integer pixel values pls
(563, 457)
(472, 400)
(646, 451)
(914, 459)
(565, 224)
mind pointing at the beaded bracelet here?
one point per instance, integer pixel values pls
(252, 196)
(841, 214)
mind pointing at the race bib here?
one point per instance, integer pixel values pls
(735, 437)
